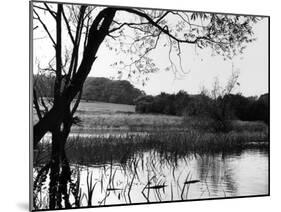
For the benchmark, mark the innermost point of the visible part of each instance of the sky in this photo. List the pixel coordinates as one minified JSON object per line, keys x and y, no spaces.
{"x":201,"y":67}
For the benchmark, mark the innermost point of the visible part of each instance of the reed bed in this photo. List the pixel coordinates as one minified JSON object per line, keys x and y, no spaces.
{"x":102,"y":149}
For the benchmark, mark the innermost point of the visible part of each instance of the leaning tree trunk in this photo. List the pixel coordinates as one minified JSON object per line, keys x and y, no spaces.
{"x":97,"y":33}
{"x":60,"y":170}
{"x":58,"y":120}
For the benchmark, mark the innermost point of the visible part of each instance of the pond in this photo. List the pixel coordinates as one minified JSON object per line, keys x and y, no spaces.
{"x":151,"y":176}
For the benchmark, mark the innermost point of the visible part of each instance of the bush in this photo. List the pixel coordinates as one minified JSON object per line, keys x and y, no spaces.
{"x":169,"y":104}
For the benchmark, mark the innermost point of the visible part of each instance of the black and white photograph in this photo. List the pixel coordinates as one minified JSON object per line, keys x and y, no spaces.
{"x":133,"y":105}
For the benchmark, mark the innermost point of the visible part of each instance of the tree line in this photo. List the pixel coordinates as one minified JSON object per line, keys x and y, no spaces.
{"x":94,"y":89}
{"x":113,"y":91}
{"x":230,"y":106}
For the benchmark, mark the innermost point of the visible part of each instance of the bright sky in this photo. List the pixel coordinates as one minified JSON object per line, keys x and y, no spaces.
{"x":200,"y":65}
{"x":202,"y":68}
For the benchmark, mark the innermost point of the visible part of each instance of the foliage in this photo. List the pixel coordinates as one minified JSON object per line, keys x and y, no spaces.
{"x":171,"y":104}
{"x":226,"y":35}
{"x":95,"y":89}
{"x":249,"y":108}
{"x":113,"y":91}
{"x":217,"y":107}
{"x":221,"y":109}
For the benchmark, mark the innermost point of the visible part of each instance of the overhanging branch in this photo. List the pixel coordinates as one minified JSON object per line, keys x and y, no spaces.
{"x":165,"y":30}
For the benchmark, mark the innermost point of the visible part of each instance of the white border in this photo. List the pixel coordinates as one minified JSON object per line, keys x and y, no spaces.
{"x":14,"y":87}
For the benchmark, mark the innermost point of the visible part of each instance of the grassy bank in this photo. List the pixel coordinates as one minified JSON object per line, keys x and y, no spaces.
{"x":130,"y":122}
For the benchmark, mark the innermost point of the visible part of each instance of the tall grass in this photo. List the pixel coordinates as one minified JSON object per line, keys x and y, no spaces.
{"x":100,"y":150}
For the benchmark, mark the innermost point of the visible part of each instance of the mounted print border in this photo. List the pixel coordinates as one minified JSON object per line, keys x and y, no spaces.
{"x":133,"y":105}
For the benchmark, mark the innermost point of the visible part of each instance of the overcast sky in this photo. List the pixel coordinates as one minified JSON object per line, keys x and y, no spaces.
{"x":200,"y":66}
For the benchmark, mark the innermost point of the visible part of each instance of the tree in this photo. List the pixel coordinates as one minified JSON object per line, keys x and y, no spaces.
{"x":137,"y":32}
{"x":219,"y":108}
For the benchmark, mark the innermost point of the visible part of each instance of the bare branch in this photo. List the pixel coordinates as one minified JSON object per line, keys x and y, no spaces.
{"x":74,"y":57}
{"x":126,"y":24}
{"x":87,"y":32}
{"x":173,"y":66}
{"x":136,"y":24}
{"x":45,"y":27}
{"x":41,"y":8}
{"x":68,"y":26}
{"x":163,"y":16}
{"x":180,"y":59}
{"x":89,"y":12}
{"x":50,"y":11}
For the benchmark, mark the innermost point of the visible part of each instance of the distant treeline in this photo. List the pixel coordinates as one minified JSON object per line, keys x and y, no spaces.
{"x":113,"y":91}
{"x":95,"y":89}
{"x":44,"y":85}
{"x":231,"y":106}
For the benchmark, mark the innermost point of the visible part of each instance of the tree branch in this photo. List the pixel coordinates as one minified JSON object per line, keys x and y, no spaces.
{"x":163,"y":29}
{"x":46,"y":9}
{"x":50,"y":11}
{"x":67,"y":26}
{"x":136,"y":24}
{"x":76,"y":43}
{"x":45,"y":27}
{"x":57,"y":87}
{"x":126,"y":24}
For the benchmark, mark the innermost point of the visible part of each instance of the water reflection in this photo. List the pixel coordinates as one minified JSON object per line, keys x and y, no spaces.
{"x":148,"y":176}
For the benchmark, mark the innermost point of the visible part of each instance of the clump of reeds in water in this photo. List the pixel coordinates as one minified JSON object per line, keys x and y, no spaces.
{"x":102,"y":149}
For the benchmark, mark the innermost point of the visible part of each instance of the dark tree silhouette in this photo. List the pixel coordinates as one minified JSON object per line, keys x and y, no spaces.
{"x":88,"y":28}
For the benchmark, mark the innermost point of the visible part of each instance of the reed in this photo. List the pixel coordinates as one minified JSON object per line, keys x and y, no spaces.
{"x":101,"y":150}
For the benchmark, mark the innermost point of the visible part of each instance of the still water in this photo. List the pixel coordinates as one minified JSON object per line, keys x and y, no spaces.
{"x":151,"y":177}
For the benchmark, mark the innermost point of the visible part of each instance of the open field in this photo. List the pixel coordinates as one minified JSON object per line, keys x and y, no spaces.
{"x":108,"y":116}
{"x":100,"y":116}
{"x":104,"y":107}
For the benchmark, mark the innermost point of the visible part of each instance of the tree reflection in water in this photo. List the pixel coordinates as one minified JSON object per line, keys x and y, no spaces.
{"x":144,"y":176}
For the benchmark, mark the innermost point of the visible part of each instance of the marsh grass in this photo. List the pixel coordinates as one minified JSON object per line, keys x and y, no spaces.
{"x":100,"y":150}
{"x":205,"y":124}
